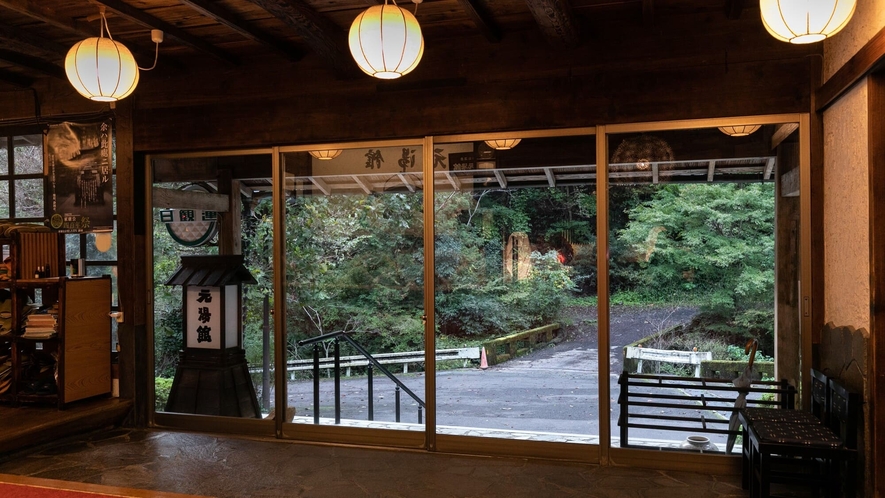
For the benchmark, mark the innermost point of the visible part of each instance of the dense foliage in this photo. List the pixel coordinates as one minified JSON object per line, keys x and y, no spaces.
{"x":355,"y":263}
{"x":712,"y":244}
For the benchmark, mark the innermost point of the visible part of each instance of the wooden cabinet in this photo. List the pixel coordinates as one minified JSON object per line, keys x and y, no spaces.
{"x":73,"y":364}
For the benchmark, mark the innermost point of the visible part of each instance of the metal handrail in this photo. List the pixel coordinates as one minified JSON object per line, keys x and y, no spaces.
{"x":374,"y":362}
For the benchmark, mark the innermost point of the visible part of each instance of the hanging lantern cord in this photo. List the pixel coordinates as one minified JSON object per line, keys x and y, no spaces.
{"x":156,"y":56}
{"x":106,"y":29}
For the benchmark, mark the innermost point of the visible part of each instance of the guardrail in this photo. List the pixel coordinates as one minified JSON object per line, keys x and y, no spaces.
{"x":504,"y":348}
{"x":665,"y":355}
{"x":336,"y":338}
{"x":402,"y":358}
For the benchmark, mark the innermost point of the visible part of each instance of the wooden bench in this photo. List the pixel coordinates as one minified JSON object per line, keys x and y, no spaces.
{"x":690,"y":404}
{"x":817,"y":448}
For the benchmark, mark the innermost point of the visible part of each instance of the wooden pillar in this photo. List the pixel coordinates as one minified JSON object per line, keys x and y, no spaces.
{"x":875,"y":439}
{"x":787,"y":339}
{"x":135,"y":358}
{"x":229,"y":223}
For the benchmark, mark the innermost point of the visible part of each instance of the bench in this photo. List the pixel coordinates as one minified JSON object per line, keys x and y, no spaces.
{"x":817,"y":448}
{"x":690,"y":404}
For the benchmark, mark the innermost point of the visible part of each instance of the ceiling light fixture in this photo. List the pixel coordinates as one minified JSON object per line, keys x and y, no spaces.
{"x":739,"y":130}
{"x":386,"y":41}
{"x":503,"y":143}
{"x":805,"y":21}
{"x":102,"y":69}
{"x":326,"y":155}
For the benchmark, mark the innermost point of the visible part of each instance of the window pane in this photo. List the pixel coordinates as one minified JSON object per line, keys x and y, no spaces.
{"x":354,"y":246}
{"x":189,"y":231}
{"x":101,"y":246}
{"x":691,"y":220}
{"x":516,"y":290}
{"x":4,"y":199}
{"x":29,"y":198}
{"x":28,"y":154}
{"x":4,"y":157}
{"x":72,"y":246}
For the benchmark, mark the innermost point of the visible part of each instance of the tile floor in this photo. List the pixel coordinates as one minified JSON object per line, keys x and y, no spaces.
{"x":231,"y":467}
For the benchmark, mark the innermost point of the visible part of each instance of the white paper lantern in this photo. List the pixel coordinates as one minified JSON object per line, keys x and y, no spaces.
{"x":101,"y":69}
{"x":326,"y":154}
{"x":805,"y":21}
{"x":386,"y":41}
{"x":503,"y":143}
{"x":739,"y":130}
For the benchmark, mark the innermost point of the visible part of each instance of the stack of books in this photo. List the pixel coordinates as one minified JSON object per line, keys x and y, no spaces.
{"x":40,"y":326}
{"x":5,"y":372}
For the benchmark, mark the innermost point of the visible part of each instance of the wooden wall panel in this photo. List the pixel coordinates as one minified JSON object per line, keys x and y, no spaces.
{"x":615,"y":97}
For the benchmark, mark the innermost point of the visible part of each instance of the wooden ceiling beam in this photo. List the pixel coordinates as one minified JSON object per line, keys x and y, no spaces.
{"x":481,"y":18}
{"x":25,"y":42}
{"x":15,"y":79}
{"x":317,"y":31}
{"x":145,"y":19}
{"x":557,"y":22}
{"x":33,"y":63}
{"x":39,"y":11}
{"x":232,"y":21}
{"x":782,"y":132}
{"x":44,"y":13}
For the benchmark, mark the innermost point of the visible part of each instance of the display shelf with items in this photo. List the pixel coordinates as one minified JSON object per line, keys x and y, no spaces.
{"x":55,"y":331}
{"x":60,"y":339}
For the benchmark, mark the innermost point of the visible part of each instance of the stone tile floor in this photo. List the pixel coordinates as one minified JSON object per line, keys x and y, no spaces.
{"x":232,"y":467}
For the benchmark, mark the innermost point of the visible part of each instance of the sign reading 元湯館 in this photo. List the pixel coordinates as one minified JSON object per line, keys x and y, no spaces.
{"x":203,"y":320}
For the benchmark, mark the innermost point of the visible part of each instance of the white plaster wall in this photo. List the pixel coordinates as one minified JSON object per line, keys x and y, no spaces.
{"x":868,"y":19}
{"x":846,"y":212}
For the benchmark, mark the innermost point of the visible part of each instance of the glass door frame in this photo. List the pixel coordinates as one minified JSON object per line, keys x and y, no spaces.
{"x":182,"y":421}
{"x":604,"y":453}
{"x":708,"y":462}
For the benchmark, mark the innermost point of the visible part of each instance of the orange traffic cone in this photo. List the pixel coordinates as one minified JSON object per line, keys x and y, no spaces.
{"x":483,"y":361}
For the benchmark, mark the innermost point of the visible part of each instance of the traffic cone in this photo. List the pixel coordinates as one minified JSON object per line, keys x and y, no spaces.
{"x":483,"y":361}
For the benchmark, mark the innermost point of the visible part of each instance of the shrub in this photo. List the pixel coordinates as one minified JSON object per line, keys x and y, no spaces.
{"x":162,"y":387}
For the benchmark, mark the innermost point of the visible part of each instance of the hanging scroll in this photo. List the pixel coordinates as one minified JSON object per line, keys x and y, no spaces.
{"x":79,"y":169}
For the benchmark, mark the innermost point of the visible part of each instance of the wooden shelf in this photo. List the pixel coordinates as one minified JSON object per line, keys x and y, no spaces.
{"x":81,"y":346}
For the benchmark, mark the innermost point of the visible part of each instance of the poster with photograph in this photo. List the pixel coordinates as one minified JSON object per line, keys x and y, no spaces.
{"x":79,"y":169}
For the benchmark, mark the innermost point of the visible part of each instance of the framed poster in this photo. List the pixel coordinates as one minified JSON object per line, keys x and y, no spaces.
{"x":78,"y":167}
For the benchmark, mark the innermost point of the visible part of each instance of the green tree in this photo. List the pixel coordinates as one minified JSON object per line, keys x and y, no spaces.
{"x":715,"y":241}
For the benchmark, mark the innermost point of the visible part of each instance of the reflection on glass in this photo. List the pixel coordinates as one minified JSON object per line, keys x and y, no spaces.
{"x":516,"y":290}
{"x":101,"y":246}
{"x":691,"y":220}
{"x":354,"y":248}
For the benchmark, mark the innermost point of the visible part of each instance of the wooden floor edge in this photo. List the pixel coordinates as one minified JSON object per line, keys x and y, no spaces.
{"x":90,"y":488}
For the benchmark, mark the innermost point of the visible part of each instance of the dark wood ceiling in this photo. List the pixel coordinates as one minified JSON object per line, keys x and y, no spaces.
{"x":36,"y":34}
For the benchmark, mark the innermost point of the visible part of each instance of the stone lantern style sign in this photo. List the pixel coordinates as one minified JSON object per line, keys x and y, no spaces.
{"x":212,"y":377}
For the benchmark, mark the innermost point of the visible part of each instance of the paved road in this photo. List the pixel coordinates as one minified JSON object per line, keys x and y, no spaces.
{"x":553,"y":390}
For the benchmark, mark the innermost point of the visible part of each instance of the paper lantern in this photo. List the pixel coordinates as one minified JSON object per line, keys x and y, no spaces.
{"x":101,"y":69}
{"x":386,"y":41}
{"x":805,"y":21}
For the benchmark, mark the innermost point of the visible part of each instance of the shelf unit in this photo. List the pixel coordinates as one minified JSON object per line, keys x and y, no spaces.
{"x":75,"y":363}
{"x":81,"y":347}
